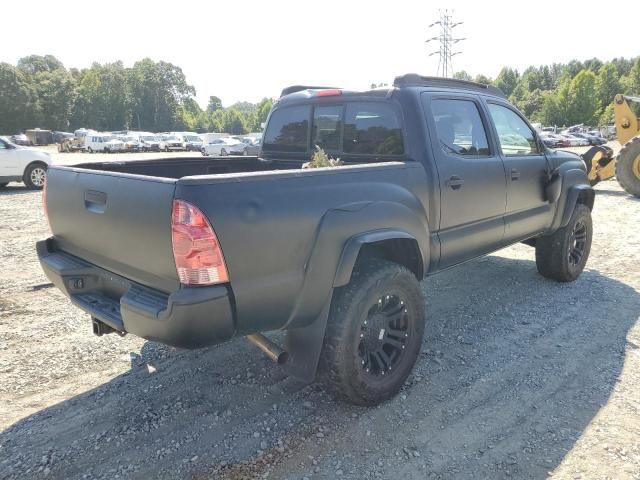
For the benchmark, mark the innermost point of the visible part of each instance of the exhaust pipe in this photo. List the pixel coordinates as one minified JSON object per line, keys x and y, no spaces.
{"x":273,"y":351}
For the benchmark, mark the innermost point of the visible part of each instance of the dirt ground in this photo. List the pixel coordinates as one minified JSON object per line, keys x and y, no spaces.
{"x":520,"y":377}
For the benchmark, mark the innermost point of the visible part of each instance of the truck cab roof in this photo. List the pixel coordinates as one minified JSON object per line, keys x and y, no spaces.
{"x":411,"y":80}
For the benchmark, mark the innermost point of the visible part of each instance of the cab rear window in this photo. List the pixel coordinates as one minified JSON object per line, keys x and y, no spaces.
{"x":288,"y":130}
{"x":372,"y":128}
{"x":353,"y":128}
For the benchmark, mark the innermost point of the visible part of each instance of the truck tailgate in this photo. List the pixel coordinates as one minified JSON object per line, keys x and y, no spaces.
{"x":119,"y":222}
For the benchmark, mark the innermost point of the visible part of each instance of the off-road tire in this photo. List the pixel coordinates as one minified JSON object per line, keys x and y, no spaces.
{"x":342,"y":365}
{"x":32,"y":178}
{"x":563,"y":255}
{"x":628,"y":167}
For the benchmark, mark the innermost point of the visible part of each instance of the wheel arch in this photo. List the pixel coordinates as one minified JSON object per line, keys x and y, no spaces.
{"x":394,"y":245}
{"x":33,"y":163}
{"x":575,"y":189}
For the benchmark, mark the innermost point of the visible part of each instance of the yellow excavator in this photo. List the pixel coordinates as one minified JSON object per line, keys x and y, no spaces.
{"x":626,"y":166}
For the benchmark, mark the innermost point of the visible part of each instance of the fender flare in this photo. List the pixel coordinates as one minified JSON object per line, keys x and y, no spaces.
{"x":574,"y":186}
{"x":353,"y":246}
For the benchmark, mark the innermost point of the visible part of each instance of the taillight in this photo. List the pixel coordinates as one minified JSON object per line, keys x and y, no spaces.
{"x":331,"y":92}
{"x":197,"y":253}
{"x":44,"y":204}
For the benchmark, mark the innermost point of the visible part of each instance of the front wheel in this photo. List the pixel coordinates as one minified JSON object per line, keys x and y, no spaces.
{"x":374,"y":333}
{"x":563,"y":255}
{"x":223,"y":153}
{"x":35,"y":176}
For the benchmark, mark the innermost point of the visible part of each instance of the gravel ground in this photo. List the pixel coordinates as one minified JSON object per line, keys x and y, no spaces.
{"x":520,"y":377}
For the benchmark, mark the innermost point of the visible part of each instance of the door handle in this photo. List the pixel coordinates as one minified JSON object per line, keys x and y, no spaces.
{"x":515,"y":174}
{"x":455,"y":182}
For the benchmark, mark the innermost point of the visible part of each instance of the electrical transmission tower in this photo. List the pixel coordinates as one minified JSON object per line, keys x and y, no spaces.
{"x":447,"y":42}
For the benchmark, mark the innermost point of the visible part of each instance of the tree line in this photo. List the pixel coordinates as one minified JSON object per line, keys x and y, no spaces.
{"x":150,"y":96}
{"x":568,"y":94}
{"x":40,"y":92}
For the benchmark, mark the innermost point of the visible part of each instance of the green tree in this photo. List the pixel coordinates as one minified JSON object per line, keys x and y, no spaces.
{"x":262,"y":111}
{"x":17,"y":100}
{"x":507,"y":80}
{"x":583,"y":101}
{"x":214,"y":104}
{"x":608,"y":84}
{"x":37,"y":63}
{"x":462,"y":75}
{"x":632,"y":81}
{"x":483,"y":79}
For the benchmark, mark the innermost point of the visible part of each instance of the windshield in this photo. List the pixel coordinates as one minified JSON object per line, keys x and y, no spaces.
{"x":149,"y":138}
{"x":193,"y":139}
{"x":172,"y":139}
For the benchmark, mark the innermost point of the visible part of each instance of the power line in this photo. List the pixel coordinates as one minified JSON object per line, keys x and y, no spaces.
{"x":447,"y":42}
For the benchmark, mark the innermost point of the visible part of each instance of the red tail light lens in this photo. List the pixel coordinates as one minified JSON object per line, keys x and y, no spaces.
{"x":44,"y":204}
{"x":197,"y":253}
{"x":332,"y":92}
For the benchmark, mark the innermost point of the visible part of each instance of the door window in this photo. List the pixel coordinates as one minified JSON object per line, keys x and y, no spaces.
{"x":459,"y":127}
{"x":514,"y":135}
{"x":288,"y":130}
{"x":327,"y":127}
{"x":373,"y":129}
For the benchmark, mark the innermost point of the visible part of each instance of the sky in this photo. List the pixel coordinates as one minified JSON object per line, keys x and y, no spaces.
{"x":243,"y":50}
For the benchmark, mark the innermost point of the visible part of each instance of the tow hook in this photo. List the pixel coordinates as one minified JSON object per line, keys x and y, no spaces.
{"x":273,"y":351}
{"x":100,"y":328}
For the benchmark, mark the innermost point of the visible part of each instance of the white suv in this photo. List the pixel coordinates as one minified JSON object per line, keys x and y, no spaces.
{"x":22,"y":164}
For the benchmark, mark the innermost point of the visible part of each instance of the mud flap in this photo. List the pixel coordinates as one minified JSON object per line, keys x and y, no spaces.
{"x":304,"y":346}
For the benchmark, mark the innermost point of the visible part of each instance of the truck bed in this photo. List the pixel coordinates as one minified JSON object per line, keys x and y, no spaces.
{"x":281,"y":228}
{"x":193,"y":166}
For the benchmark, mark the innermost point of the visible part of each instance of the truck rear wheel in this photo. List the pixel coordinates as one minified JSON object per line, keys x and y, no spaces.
{"x":374,"y":333}
{"x":628,"y":167}
{"x":562,"y":255}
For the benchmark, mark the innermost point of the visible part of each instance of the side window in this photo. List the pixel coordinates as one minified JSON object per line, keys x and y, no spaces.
{"x":515,"y":136}
{"x":372,"y":128}
{"x":327,"y":127}
{"x":287,"y":130}
{"x":459,"y":127}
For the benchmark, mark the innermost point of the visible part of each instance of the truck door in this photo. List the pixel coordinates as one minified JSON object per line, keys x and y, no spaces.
{"x":528,"y":212}
{"x":471,"y":174}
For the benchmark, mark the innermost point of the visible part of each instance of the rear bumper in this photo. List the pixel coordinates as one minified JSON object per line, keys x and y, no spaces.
{"x":190,"y":317}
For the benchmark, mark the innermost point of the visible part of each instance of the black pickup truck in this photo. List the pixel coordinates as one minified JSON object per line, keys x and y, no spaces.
{"x":192,"y":252}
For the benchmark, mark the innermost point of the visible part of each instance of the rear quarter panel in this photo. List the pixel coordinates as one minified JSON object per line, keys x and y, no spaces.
{"x":282,"y":233}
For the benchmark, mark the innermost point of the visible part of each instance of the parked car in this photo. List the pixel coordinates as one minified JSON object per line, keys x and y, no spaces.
{"x":131,"y":143}
{"x":171,"y":143}
{"x":149,"y":143}
{"x":592,"y":139}
{"x":103,"y":143}
{"x":223,"y":146}
{"x":193,"y":143}
{"x":333,"y":256}
{"x":21,"y":139}
{"x":574,"y":141}
{"x":549,"y":140}
{"x":22,"y":164}
{"x":252,"y":146}
{"x":558,"y":140}
{"x":59,"y":137}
